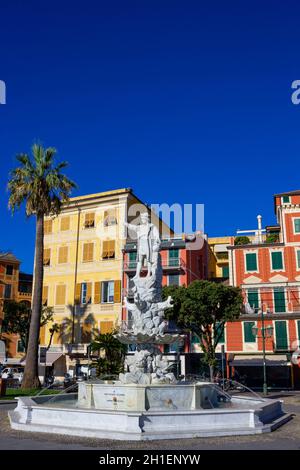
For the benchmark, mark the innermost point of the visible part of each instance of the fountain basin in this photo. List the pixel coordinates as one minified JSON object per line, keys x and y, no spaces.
{"x":147,"y":412}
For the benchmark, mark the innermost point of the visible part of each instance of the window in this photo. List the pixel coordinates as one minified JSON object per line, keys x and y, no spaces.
{"x":88,"y":252}
{"x":225,"y":271}
{"x":47,"y":226}
{"x":173,"y":257}
{"x":45,"y":296}
{"x":86,"y":293}
{"x":65,"y":224}
{"x":109,"y":218}
{"x":60,"y":295}
{"x":20,"y":347}
{"x":249,"y":337}
{"x":251,"y":262}
{"x":217,"y":333}
{"x":298,"y":328}
{"x":298,"y":258}
{"x":108,"y":288}
{"x":89,"y":221}
{"x":47,"y":256}
{"x":9,"y":270}
{"x":285,"y":199}
{"x":7,"y":291}
{"x":108,"y":249}
{"x":174,"y":280}
{"x":279,"y":299}
{"x":132,"y":259}
{"x":277,"y":261}
{"x":281,"y":335}
{"x":253,"y":299}
{"x":297,"y":225}
{"x":63,"y":255}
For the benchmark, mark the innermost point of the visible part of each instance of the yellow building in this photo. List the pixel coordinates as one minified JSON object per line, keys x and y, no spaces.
{"x":83,"y":268}
{"x":218,"y":260}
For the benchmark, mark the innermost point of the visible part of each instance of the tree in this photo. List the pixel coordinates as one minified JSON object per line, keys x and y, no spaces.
{"x":40,"y":185}
{"x":204,"y":307}
{"x":55,"y":328}
{"x":242,"y":240}
{"x":111,"y":354}
{"x":17,"y":316}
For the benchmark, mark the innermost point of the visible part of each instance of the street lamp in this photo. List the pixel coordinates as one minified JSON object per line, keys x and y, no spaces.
{"x":263,"y":332}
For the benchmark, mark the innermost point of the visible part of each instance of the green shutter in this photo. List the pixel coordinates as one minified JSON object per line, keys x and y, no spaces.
{"x":297,"y":225}
{"x":225,"y":271}
{"x":279,"y":300}
{"x":298,"y":259}
{"x":173,"y":257}
{"x":277,"y":262}
{"x":249,"y":337}
{"x":298,"y":326}
{"x":253,"y":299}
{"x":251,"y":262}
{"x":285,"y":199}
{"x":132,"y":259}
{"x":222,"y":337}
{"x":281,"y":335}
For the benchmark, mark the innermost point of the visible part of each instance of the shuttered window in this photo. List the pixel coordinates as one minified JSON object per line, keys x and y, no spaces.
{"x":108,"y":249}
{"x":277,"y":261}
{"x":174,"y":257}
{"x":297,"y":225}
{"x":47,"y":256}
{"x":97,"y":292}
{"x":218,"y":328}
{"x":42,"y":335}
{"x":132,"y":259}
{"x":279,"y":300}
{"x":298,"y":328}
{"x":65,"y":224}
{"x":60,"y":295}
{"x":45,"y":295}
{"x":285,"y":199}
{"x":47,"y":226}
{"x":63,"y":254}
{"x":86,"y":292}
{"x":225,"y":271}
{"x":298,"y":259}
{"x":110,"y":218}
{"x":117,"y":291}
{"x":88,"y":252}
{"x":89,"y":220}
{"x":281,"y":335}
{"x":253,"y":299}
{"x":108,"y":288}
{"x":251,"y":262}
{"x":106,"y":327}
{"x":249,"y":337}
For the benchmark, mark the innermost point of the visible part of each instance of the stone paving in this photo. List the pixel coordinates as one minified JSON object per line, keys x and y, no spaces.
{"x":286,"y":437}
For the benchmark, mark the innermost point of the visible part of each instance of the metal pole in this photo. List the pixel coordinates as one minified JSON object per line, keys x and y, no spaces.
{"x":223,"y":351}
{"x":265,"y":386}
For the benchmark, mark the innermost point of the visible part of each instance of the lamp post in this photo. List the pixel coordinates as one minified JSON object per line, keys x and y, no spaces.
{"x":263,"y":332}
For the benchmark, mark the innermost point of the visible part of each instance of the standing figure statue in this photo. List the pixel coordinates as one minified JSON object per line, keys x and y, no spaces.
{"x":148,"y":243}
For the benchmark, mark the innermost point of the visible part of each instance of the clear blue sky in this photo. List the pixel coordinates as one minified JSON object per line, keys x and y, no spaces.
{"x":184,"y":101}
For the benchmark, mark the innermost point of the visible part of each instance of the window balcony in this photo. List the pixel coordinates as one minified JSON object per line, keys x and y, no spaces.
{"x":172,"y":264}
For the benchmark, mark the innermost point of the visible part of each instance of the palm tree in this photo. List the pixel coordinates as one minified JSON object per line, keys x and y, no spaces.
{"x":111,"y":353}
{"x":38,"y":183}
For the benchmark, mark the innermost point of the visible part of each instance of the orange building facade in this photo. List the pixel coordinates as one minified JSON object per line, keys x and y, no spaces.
{"x":268,"y":272}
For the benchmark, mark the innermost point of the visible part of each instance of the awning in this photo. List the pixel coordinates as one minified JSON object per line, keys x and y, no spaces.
{"x":52,"y":357}
{"x":257,"y":360}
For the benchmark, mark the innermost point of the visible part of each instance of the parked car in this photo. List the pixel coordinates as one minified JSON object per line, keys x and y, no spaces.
{"x":13,"y":373}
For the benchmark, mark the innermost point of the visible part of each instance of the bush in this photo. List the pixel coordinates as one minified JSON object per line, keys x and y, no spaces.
{"x":242,"y":241}
{"x":272,"y":238}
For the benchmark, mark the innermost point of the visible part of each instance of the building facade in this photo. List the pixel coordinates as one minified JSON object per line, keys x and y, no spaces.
{"x":83,"y":266}
{"x":268,"y":272}
{"x":15,"y":286}
{"x":218,"y":258}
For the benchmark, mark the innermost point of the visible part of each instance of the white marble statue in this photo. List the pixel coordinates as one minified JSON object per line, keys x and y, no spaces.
{"x":148,"y":243}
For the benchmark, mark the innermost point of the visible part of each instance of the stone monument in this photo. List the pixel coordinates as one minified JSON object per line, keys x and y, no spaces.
{"x":147,"y":325}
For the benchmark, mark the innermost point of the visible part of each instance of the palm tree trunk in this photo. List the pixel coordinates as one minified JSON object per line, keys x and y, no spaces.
{"x":31,"y":373}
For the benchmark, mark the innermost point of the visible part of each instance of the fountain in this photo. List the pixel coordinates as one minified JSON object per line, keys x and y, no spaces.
{"x":147,"y":401}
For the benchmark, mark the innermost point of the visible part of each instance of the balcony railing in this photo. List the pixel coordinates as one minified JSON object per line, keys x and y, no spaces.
{"x":171,"y":264}
{"x":75,"y":349}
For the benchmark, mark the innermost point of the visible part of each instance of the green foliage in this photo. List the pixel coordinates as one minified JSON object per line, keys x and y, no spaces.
{"x":242,"y":240}
{"x":272,"y":238}
{"x":204,"y":307}
{"x":39,"y":183}
{"x":17,"y":316}
{"x":111,"y":354}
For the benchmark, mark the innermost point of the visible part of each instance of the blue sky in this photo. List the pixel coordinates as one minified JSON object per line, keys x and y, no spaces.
{"x":184,"y":101}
